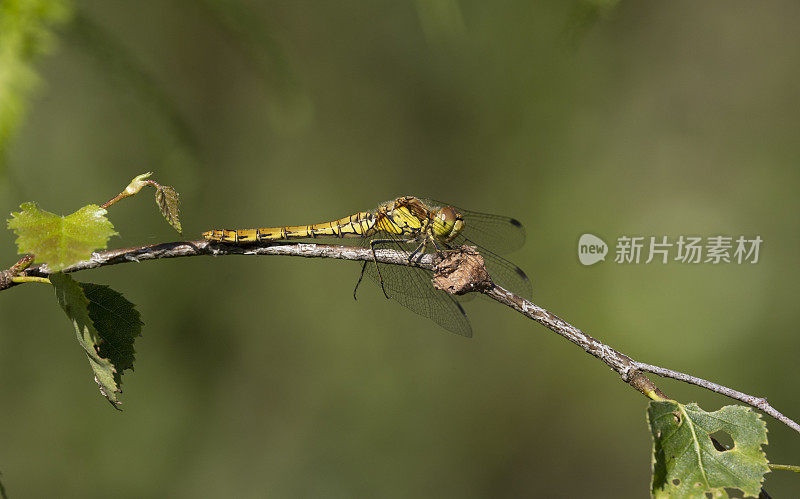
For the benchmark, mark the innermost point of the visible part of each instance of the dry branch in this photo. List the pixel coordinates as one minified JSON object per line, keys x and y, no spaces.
{"x":631,"y":371}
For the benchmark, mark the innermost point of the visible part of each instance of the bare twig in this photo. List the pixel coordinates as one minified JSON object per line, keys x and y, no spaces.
{"x":621,"y":363}
{"x":630,"y":370}
{"x":203,"y":247}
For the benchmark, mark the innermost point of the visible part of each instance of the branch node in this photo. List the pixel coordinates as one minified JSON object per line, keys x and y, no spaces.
{"x":462,"y":271}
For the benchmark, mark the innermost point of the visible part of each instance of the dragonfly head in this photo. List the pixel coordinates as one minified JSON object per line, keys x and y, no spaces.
{"x":448,"y":223}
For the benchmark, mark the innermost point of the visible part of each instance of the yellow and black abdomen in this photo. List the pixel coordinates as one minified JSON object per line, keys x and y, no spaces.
{"x":357,"y":225}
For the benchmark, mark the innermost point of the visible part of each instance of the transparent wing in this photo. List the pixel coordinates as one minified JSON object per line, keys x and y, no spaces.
{"x":412,"y":288}
{"x":504,"y":273}
{"x":497,"y":233}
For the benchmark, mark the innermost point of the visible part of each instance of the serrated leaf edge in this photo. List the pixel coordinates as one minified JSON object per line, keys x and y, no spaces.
{"x":89,"y":326}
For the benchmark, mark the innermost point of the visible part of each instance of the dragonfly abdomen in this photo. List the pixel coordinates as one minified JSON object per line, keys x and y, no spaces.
{"x":356,"y":225}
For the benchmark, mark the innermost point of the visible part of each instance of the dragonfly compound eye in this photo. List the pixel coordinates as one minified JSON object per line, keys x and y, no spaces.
{"x":449,"y":223}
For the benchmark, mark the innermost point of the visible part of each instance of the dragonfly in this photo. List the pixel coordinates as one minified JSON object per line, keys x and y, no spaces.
{"x":414,"y":226}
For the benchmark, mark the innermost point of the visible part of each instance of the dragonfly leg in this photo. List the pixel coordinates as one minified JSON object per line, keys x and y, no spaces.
{"x":441,"y":248}
{"x":360,"y":276}
{"x":420,"y":248}
{"x":372,"y":244}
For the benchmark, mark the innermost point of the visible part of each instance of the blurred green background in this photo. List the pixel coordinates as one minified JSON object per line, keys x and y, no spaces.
{"x":262,"y":377}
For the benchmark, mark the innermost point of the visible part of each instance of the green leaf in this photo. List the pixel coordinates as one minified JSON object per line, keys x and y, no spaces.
{"x":106,"y":325}
{"x":117,"y":322}
{"x":167,"y":200}
{"x":685,"y":461}
{"x":60,"y":241}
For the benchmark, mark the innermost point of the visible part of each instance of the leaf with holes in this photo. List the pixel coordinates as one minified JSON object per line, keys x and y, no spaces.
{"x":106,"y":325}
{"x":167,"y":200}
{"x":685,"y":460}
{"x":60,"y":241}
